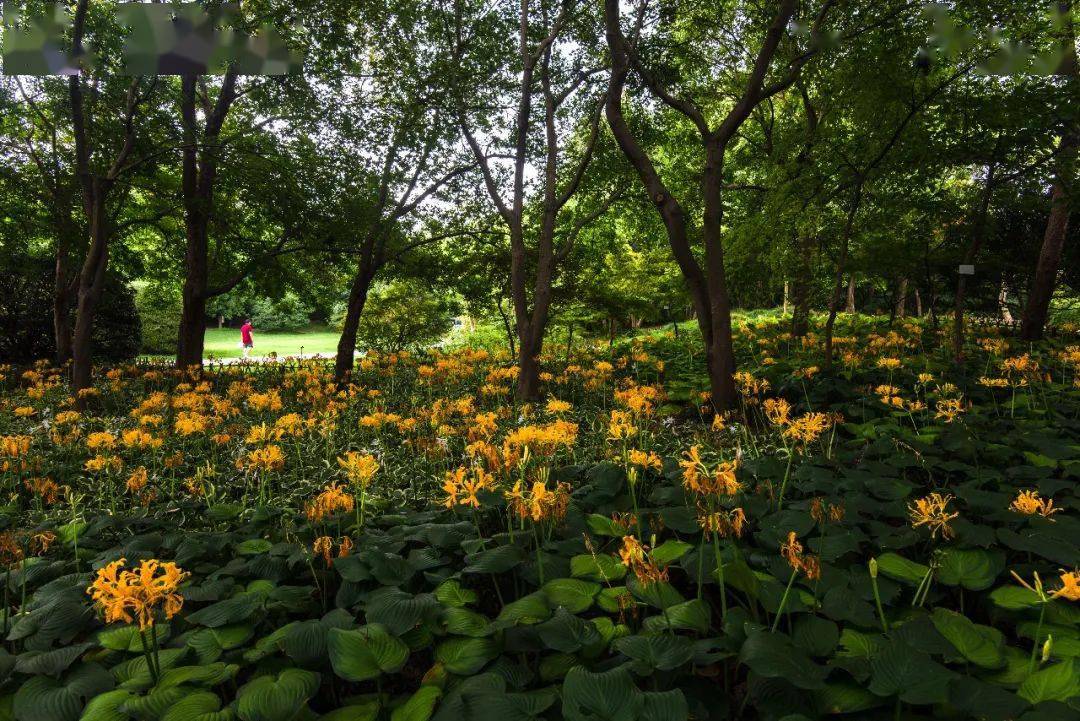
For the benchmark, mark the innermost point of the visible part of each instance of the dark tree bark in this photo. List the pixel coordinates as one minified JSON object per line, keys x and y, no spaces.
{"x":850,"y":307}
{"x":531,"y":314}
{"x":900,"y":307}
{"x":1044,"y":278}
{"x":96,"y":191}
{"x":841,"y":263}
{"x":707,"y":285}
{"x":978,"y":235}
{"x":201,"y":156}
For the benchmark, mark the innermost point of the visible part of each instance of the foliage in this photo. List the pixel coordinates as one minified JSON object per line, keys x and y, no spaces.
{"x":159,"y":305}
{"x":26,"y":304}
{"x":405,"y":314}
{"x":395,"y":552}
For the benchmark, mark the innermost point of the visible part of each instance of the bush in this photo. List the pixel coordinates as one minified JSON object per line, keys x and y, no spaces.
{"x":287,"y":313}
{"x":160,"y":306}
{"x":26,"y":322}
{"x":404,"y":314}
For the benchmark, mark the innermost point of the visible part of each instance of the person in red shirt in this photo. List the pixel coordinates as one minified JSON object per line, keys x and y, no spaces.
{"x":245,"y":337}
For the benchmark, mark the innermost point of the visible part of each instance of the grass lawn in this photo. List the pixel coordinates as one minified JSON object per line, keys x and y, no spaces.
{"x":225,"y":342}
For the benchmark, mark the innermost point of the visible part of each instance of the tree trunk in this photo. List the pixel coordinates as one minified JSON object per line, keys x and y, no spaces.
{"x":850,"y":307}
{"x":199,"y":173}
{"x":800,"y":317}
{"x":91,"y":285}
{"x":787,"y":296}
{"x":978,"y":235}
{"x":918,"y":304}
{"x":346,"y":348}
{"x":1046,"y":270}
{"x":62,"y":308}
{"x":1057,"y":225}
{"x":900,"y":308}
{"x":838,"y":285}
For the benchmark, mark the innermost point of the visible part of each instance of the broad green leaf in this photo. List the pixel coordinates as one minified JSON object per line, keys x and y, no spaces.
{"x":608,"y":696}
{"x":420,"y":705}
{"x":365,"y":653}
{"x":276,"y":698}
{"x":572,"y":594}
{"x":981,"y":645}
{"x":1059,"y":682}
{"x":465,"y":656}
{"x":899,"y":568}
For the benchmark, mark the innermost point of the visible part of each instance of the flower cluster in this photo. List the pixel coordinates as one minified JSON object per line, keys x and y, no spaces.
{"x":130,"y":596}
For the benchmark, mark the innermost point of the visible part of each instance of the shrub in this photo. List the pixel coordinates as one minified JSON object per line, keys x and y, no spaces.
{"x":160,"y":306}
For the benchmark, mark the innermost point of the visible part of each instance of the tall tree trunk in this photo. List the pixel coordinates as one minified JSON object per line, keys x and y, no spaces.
{"x":800,"y":317}
{"x":838,"y":285}
{"x":787,"y":296}
{"x":1045,"y":277}
{"x":977,"y":237}
{"x":199,"y":173}
{"x":358,"y":293}
{"x":720,"y":354}
{"x":900,"y":308}
{"x":91,"y":285}
{"x":850,"y":307}
{"x":62,"y":292}
{"x":918,"y":304}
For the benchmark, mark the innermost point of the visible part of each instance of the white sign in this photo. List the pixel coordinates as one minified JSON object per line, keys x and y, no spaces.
{"x":967,"y":270}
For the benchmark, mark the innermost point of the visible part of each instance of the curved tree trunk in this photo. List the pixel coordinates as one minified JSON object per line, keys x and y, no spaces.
{"x":91,"y":285}
{"x":354,"y":309}
{"x":1045,"y":278}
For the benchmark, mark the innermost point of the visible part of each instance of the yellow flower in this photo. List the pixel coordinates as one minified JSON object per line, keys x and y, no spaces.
{"x":792,"y":551}
{"x":267,"y":458}
{"x":359,"y":468}
{"x":645,"y":459}
{"x":137,"y":480}
{"x":949,"y":409}
{"x":103,"y":463}
{"x":808,"y":427}
{"x":932,"y":511}
{"x":24,"y":411}
{"x":134,"y":595}
{"x":634,"y":555}
{"x":1070,"y":586}
{"x":100,"y":440}
{"x":888,"y":363}
{"x":777,"y":411}
{"x":1028,"y":502}
{"x":137,"y":438}
{"x":332,"y":499}
{"x":554,"y":405}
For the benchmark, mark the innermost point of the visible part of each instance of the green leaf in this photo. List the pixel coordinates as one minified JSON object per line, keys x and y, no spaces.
{"x":981,"y":645}
{"x":364,"y":711}
{"x":464,"y":622}
{"x":1014,"y":598}
{"x":42,"y":698}
{"x":844,"y":697}
{"x":899,"y":568}
{"x":900,"y":670}
{"x":450,"y":593}
{"x":567,"y":633}
{"x":572,"y":594}
{"x":494,"y":560}
{"x":974,"y":569}
{"x":209,"y":675}
{"x":607,"y":696}
{"x":527,"y":610}
{"x":465,"y":656}
{"x":1059,"y":682}
{"x":49,"y":662}
{"x":601,"y":525}
{"x":692,"y":615}
{"x":193,"y":706}
{"x":664,"y":706}
{"x":670,"y":551}
{"x":651,"y":653}
{"x":253,"y":547}
{"x":105,"y":707}
{"x":772,"y":655}
{"x":365,"y":653}
{"x":601,"y":567}
{"x":419,"y":707}
{"x":276,"y":698}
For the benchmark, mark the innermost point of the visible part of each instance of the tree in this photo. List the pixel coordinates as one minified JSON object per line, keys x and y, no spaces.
{"x":549,"y":54}
{"x":707,"y":284}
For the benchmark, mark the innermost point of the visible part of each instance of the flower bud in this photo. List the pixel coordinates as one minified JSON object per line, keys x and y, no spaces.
{"x":1047,"y":645}
{"x":873,"y":567}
